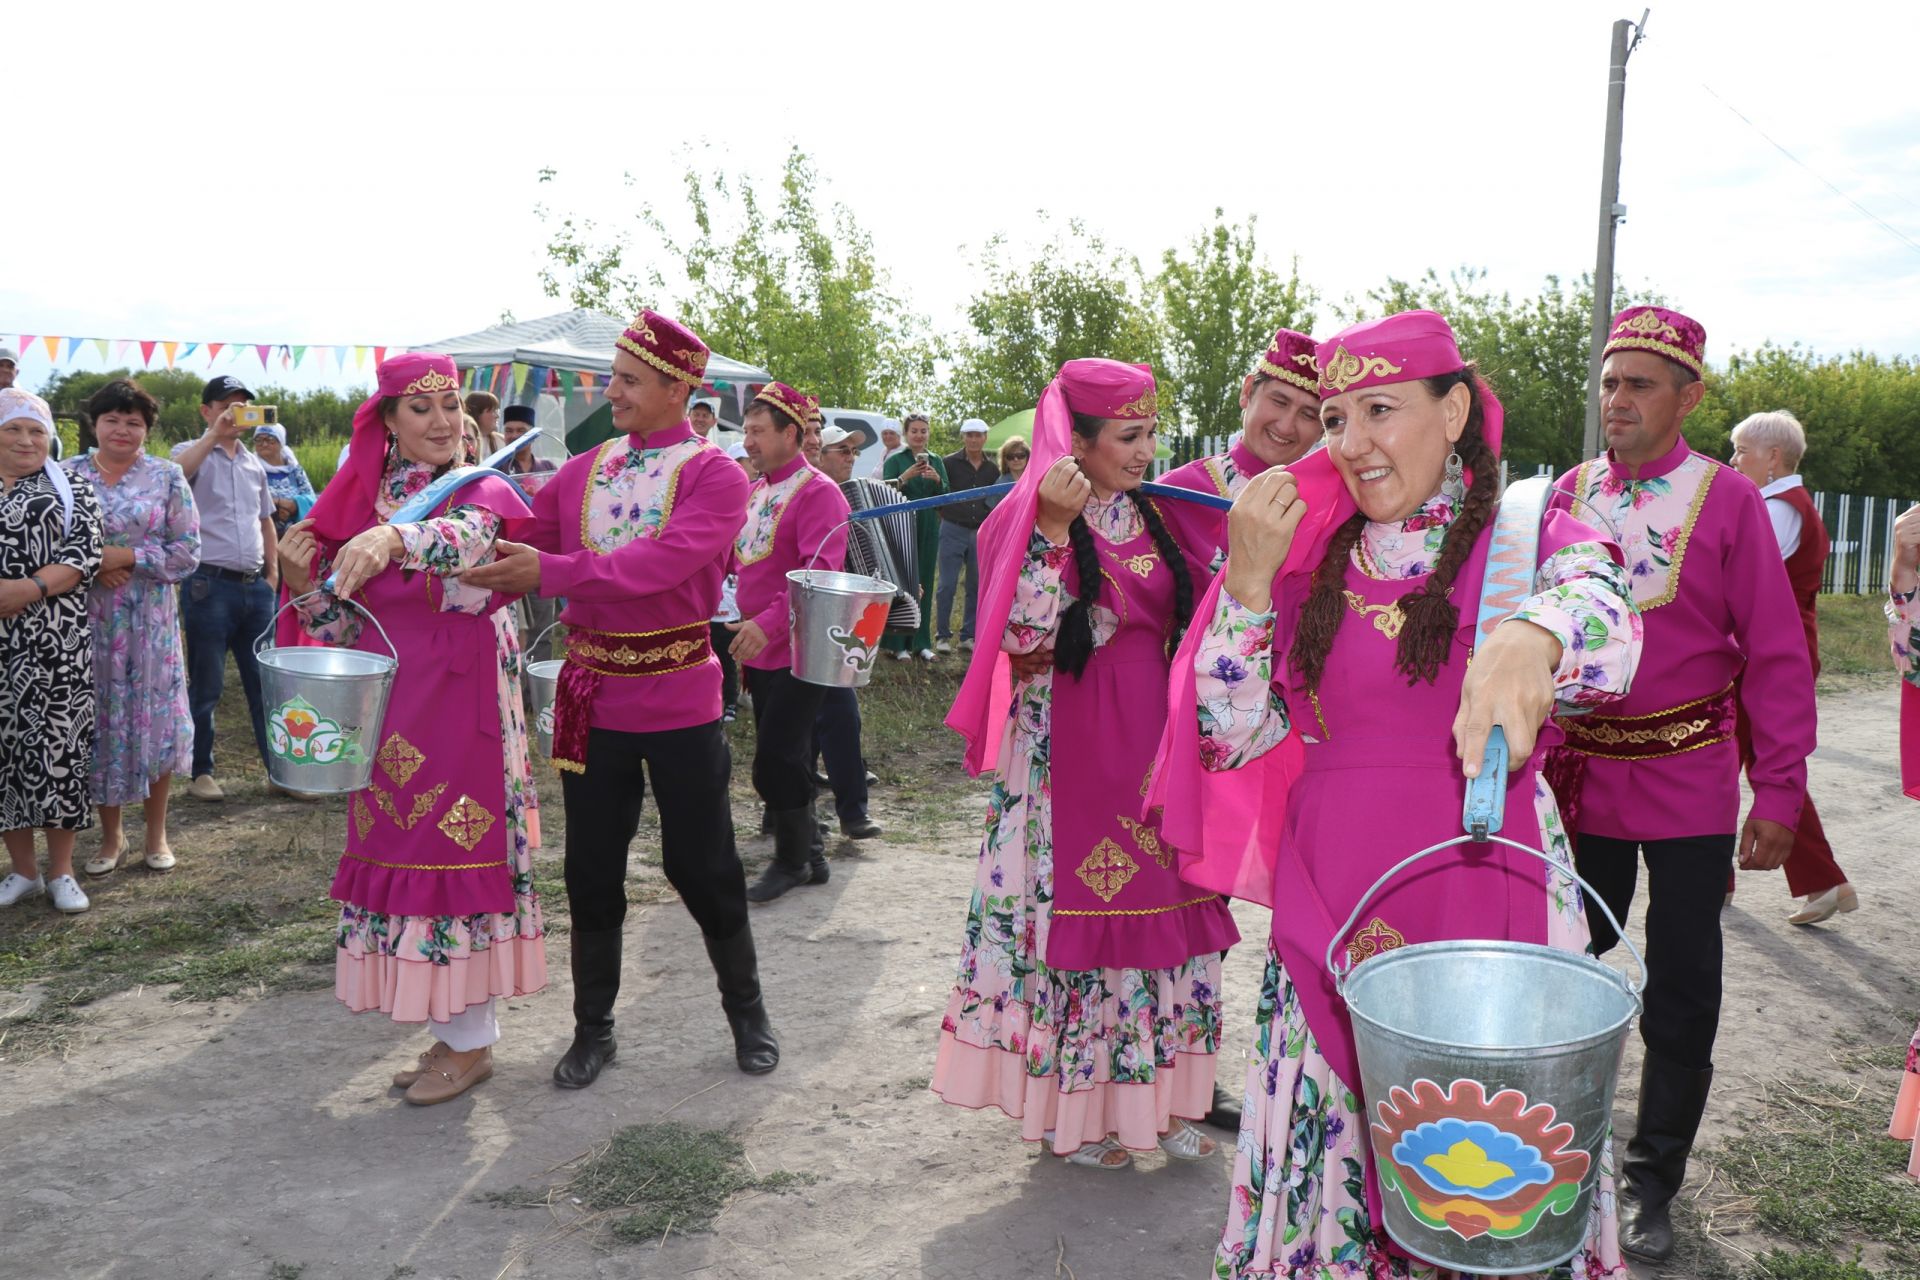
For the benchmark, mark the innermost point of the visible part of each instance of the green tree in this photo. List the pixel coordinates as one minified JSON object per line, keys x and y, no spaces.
{"x":1218,"y":305}
{"x":786,"y":282}
{"x":1075,"y":298}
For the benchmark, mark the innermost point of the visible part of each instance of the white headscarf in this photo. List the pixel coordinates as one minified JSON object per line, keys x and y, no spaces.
{"x":18,"y":403}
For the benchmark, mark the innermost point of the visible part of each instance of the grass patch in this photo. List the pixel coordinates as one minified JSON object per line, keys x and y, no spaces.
{"x":1853,"y":636}
{"x":654,"y":1180}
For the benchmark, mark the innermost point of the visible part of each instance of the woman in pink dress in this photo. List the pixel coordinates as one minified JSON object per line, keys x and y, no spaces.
{"x":1347,"y":672}
{"x":439,"y":915}
{"x":1087,"y":1002}
{"x":1903,"y":620}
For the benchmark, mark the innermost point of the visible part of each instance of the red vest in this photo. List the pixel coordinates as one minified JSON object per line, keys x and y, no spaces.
{"x":1805,"y":564}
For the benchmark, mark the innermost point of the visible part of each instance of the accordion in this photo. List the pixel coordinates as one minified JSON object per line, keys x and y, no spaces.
{"x":885,"y":547}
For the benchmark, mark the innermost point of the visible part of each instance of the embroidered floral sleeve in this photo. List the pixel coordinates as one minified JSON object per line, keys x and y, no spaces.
{"x":1586,"y":601}
{"x":1038,"y":596}
{"x":460,"y":539}
{"x":1903,"y":630}
{"x":321,"y":615}
{"x":173,"y":552}
{"x":1241,"y":716}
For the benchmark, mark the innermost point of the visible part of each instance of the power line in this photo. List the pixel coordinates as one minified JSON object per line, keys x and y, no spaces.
{"x":1882,"y":223}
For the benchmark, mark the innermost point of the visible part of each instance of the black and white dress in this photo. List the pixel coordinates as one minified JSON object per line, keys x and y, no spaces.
{"x":46,"y":689}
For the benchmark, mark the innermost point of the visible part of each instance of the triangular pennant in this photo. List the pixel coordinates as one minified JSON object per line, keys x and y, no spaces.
{"x":27,"y":340}
{"x":379,"y":356}
{"x":359,"y":357}
{"x":286,"y":356}
{"x":190,"y":348}
{"x":213,"y":352}
{"x":566,"y":384}
{"x":146,"y":353}
{"x":120,"y":350}
{"x":101,"y":345}
{"x":299,"y":354}
{"x":519,"y":378}
{"x":320,"y":354}
{"x":262,"y":351}
{"x":53,"y":348}
{"x":169,"y":348}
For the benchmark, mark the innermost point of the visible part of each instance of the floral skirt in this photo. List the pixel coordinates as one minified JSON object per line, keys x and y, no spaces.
{"x":1906,"y":1107}
{"x":1298,"y":1206}
{"x":1080,"y":1055}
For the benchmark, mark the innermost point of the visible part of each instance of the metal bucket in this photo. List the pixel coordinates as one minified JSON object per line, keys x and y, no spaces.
{"x":543,"y":679}
{"x":324,"y":708}
{"x":834,"y":622}
{"x":1488,"y":1070}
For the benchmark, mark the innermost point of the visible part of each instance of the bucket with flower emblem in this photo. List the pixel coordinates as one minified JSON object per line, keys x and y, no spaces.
{"x":1488,"y":1071}
{"x":834,"y":625}
{"x":324,"y":708}
{"x":543,"y":683}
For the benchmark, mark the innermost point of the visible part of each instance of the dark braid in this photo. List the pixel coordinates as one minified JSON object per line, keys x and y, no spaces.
{"x":1426,"y":639}
{"x":1073,"y":646}
{"x":1170,"y":552}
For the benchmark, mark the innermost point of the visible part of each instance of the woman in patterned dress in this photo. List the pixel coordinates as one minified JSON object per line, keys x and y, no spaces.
{"x":49,"y":550}
{"x":439,"y":914}
{"x":1361,"y":658}
{"x":1903,"y":622}
{"x":143,"y":732}
{"x":1087,"y":1002}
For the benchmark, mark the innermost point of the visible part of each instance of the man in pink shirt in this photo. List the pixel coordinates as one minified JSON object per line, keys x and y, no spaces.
{"x":635,"y":535}
{"x":796,"y":517}
{"x":1657,"y":776}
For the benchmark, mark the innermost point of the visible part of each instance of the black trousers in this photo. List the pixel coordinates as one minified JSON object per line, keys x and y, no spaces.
{"x":689,"y":769}
{"x":836,"y":734}
{"x":1686,"y":886}
{"x":729,"y":672}
{"x":784,"y":709}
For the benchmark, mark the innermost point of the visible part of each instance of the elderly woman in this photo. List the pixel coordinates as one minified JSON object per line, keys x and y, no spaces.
{"x":49,"y":547}
{"x":292,"y":492}
{"x":143,"y":731}
{"x":1767,"y":449}
{"x":1339,"y":672}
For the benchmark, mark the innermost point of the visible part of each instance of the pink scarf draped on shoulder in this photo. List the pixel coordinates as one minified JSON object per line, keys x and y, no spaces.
{"x":1910,"y":740}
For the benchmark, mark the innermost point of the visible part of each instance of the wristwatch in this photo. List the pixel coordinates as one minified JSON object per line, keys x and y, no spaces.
{"x":40,"y":583}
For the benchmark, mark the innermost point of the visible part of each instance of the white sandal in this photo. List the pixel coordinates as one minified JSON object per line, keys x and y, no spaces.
{"x":1184,"y":1142}
{"x":1096,"y":1155}
{"x":161,"y":860}
{"x":100,"y":864}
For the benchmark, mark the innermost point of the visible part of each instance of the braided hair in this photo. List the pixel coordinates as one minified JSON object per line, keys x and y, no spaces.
{"x":1426,"y":639}
{"x":1073,"y":645}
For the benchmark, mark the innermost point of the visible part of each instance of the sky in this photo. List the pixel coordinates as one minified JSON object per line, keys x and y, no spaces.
{"x":362,"y":174}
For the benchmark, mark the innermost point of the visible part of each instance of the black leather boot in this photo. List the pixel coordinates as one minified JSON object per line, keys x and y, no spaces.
{"x":793,"y":837}
{"x":817,"y":871}
{"x":755,"y":1048}
{"x":596,"y":985}
{"x":1672,"y":1101}
{"x":1225,"y":1113}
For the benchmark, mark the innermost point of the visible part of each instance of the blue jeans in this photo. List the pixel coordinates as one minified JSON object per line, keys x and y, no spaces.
{"x":220,"y":616}
{"x":956,"y":553}
{"x":836,"y":735}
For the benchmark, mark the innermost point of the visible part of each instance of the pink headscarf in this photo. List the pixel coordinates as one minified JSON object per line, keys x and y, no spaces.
{"x":346,"y":506}
{"x":1105,"y":389}
{"x":1227,"y":825}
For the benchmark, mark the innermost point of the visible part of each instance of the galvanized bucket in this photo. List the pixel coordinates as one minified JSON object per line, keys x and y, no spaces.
{"x":324,"y":708}
{"x":543,"y":682}
{"x":1488,"y":1070}
{"x":834,"y":621}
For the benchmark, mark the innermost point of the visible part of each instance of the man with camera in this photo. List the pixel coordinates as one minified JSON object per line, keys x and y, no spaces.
{"x":229,"y":599}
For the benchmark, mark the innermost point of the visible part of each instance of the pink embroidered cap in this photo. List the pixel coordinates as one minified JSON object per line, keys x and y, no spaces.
{"x":1291,"y":357}
{"x":1679,"y":338}
{"x":667,"y":345}
{"x":797,"y":406}
{"x":1402,"y":347}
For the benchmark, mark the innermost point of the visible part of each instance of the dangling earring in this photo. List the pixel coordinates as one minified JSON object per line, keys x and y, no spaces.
{"x":1454,"y":486}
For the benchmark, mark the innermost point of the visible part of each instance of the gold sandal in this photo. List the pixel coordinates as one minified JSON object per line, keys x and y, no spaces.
{"x":437,"y":1084}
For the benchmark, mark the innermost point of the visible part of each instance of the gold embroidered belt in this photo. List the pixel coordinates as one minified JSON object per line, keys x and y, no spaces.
{"x":593,"y":655}
{"x":1704,"y":722}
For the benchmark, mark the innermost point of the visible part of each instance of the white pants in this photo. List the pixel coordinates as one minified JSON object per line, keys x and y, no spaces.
{"x":474,"y":1027}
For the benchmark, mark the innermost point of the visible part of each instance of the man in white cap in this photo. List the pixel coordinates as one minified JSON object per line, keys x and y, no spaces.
{"x":9,"y":368}
{"x":702,"y":414}
{"x":970,"y":468}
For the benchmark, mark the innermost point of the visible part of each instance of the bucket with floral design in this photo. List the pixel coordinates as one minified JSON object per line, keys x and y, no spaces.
{"x":324,"y":708}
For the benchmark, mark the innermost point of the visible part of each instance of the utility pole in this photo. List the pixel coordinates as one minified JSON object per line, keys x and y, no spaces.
{"x":1626,"y":35}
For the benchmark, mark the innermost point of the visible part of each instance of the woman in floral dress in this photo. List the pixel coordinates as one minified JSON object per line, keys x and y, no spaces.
{"x":1903,"y":621}
{"x":1087,"y":1002}
{"x":143,"y":734}
{"x":1373,"y":633}
{"x":439,"y":914}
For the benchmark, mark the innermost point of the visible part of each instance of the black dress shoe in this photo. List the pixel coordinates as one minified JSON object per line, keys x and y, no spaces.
{"x":821,"y":780}
{"x":1225,"y":1112}
{"x":860,"y":829}
{"x":797,"y":856}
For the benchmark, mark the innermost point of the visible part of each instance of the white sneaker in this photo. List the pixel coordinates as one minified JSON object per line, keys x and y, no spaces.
{"x":17,"y":888}
{"x":943,"y":647}
{"x":926,"y":655}
{"x":905,"y":655}
{"x":966,"y":646}
{"x":67,"y":895}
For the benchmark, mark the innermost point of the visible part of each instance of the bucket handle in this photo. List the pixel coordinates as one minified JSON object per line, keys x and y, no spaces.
{"x":260,"y":640}
{"x":1335,"y":950}
{"x":544,"y":633}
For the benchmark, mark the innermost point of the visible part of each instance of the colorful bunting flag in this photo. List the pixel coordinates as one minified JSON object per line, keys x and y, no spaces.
{"x":146,"y":353}
{"x":213,"y":352}
{"x":53,"y":348}
{"x":519,"y":379}
{"x":101,"y":344}
{"x":169,"y":348}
